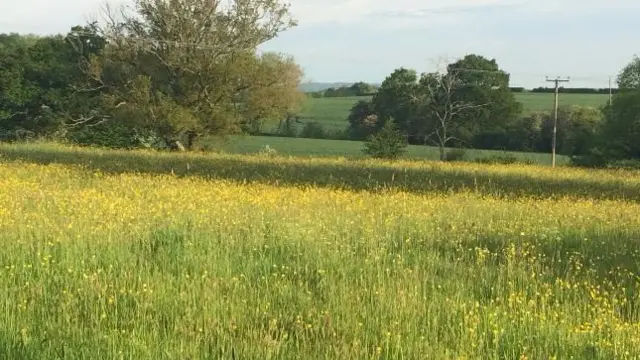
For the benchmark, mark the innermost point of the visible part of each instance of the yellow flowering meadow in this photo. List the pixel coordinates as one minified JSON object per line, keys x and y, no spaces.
{"x":136,"y":255}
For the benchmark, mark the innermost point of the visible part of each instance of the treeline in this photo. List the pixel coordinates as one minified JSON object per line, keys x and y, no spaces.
{"x":364,"y":89}
{"x":357,"y":89}
{"x":161,"y":77}
{"x":174,"y":72}
{"x":462,"y":107}
{"x":565,"y":90}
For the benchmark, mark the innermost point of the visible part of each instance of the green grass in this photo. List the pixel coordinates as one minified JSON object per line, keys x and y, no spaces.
{"x":333,"y":112}
{"x":544,"y":102}
{"x":352,"y":149}
{"x":143,"y":255}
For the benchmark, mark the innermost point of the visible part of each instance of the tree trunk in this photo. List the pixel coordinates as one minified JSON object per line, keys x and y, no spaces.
{"x":191,"y":139}
{"x":174,"y":145}
{"x":443,"y":155}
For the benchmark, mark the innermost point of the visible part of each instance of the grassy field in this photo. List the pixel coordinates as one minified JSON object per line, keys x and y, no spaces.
{"x":301,"y":147}
{"x":139,"y":255}
{"x":332,"y":112}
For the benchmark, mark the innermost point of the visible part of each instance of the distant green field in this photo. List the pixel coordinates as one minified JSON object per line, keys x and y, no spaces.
{"x":300,"y":147}
{"x":333,"y":112}
{"x":543,"y":102}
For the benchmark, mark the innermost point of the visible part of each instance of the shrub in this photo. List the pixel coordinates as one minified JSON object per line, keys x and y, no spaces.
{"x":595,"y":158}
{"x":106,"y":135}
{"x":388,"y":143}
{"x":363,"y":122}
{"x":313,"y":130}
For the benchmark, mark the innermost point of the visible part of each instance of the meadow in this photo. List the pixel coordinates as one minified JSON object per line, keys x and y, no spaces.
{"x":303,"y":147}
{"x":143,"y":255}
{"x":332,"y":112}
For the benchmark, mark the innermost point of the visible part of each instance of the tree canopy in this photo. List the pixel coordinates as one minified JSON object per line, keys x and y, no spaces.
{"x":174,"y":69}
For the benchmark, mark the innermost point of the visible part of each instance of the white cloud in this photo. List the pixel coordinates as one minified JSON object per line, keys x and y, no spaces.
{"x":57,"y":16}
{"x":45,"y":16}
{"x":412,"y":12}
{"x":350,"y":11}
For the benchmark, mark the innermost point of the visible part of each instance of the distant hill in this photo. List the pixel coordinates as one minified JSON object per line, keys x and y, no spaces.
{"x":320,"y":86}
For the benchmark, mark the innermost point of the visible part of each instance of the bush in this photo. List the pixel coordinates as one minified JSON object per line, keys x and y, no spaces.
{"x":313,"y":130}
{"x":595,"y":158}
{"x":106,"y":135}
{"x":388,"y":143}
{"x":363,"y":122}
{"x":455,"y":155}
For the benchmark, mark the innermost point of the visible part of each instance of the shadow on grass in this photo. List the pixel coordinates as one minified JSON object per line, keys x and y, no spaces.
{"x":346,"y":175}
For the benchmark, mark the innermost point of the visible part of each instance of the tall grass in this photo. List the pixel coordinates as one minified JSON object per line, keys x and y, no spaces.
{"x":306,"y":147}
{"x":117,"y":255}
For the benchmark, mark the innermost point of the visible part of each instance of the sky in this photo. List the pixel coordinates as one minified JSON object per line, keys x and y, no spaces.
{"x":365,"y":40}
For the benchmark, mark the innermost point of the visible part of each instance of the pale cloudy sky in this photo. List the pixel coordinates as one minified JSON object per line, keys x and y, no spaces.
{"x":352,"y":40}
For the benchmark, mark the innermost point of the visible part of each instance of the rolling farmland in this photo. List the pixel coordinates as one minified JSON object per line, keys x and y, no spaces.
{"x":332,"y":112}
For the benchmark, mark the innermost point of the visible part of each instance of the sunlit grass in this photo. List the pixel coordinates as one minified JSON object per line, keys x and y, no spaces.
{"x":140,"y":256}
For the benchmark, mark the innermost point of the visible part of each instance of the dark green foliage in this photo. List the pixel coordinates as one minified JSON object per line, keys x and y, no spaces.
{"x":396,"y":98}
{"x":525,"y":133}
{"x":357,"y":89}
{"x":480,"y":81}
{"x":93,"y":90}
{"x":363,"y":121}
{"x":313,"y":130}
{"x":577,"y":129}
{"x":388,"y":143}
{"x":594,"y":158}
{"x":40,"y":77}
{"x":117,"y":136}
{"x":621,"y":128}
{"x":616,"y":140}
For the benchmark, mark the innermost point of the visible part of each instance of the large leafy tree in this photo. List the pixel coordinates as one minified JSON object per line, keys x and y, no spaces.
{"x":396,"y":98}
{"x":482,"y":81}
{"x":38,"y":79}
{"x":271,"y":92}
{"x":188,"y":68}
{"x":629,"y":77}
{"x":621,"y":129}
{"x":441,"y":112}
{"x":618,"y":137}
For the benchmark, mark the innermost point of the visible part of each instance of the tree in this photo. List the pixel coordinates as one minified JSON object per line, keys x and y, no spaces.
{"x":442,"y":112}
{"x":621,"y":128}
{"x":271,"y":93}
{"x":525,"y":133}
{"x":629,"y":77}
{"x":362,"y":120}
{"x":620,"y":135}
{"x":388,"y":143}
{"x":189,"y":68}
{"x":361,"y":89}
{"x":396,"y":98}
{"x":481,"y":81}
{"x":577,"y":129}
{"x":38,"y":78}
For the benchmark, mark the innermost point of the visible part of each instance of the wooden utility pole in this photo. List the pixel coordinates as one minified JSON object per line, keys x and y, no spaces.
{"x":557,"y":82}
{"x":610,"y":92}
